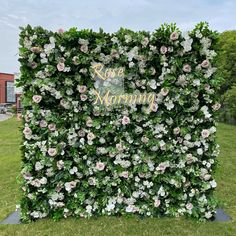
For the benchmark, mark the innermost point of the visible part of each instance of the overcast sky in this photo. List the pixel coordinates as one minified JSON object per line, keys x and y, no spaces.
{"x":109,"y":15}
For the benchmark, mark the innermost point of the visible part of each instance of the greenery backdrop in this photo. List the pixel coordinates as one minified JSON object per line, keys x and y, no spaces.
{"x":83,"y":160}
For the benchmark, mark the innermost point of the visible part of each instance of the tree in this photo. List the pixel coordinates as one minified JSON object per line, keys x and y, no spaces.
{"x":226,"y":60}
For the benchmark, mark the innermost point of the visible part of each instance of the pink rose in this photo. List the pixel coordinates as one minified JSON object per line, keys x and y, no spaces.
{"x":154,"y":107}
{"x":205,"y":64}
{"x":43,"y":124}
{"x":89,"y":122}
{"x":60,"y":31}
{"x":83,"y":97}
{"x":82,"y":88}
{"x":52,"y":127}
{"x":176,"y":130}
{"x":189,"y":206}
{"x":187,"y":68}
{"x":157,"y":203}
{"x":27,"y":131}
{"x":81,"y":133}
{"x":174,"y":36}
{"x":125,"y":120}
{"x":163,"y":50}
{"x":37,"y":98}
{"x":205,"y":133}
{"x":216,"y":106}
{"x":84,"y":48}
{"x":60,"y":66}
{"x":100,"y":166}
{"x":164,"y":91}
{"x":124,"y":174}
{"x":36,"y":49}
{"x":90,"y":136}
{"x":52,"y":152}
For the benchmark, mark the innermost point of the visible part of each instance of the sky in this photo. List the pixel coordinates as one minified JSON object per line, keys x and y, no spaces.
{"x":107,"y":14}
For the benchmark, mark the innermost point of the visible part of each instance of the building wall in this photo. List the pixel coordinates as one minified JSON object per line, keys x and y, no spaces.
{"x":4,"y":77}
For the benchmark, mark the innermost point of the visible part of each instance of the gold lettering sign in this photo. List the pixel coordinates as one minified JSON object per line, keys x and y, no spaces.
{"x":104,"y":73}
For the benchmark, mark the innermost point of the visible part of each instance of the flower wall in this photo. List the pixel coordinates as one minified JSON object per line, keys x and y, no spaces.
{"x":81,"y":159}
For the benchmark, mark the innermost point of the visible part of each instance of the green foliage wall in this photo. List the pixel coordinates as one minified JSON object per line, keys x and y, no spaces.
{"x":81,"y":159}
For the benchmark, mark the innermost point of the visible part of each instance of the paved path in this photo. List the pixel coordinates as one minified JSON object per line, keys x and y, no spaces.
{"x":4,"y":117}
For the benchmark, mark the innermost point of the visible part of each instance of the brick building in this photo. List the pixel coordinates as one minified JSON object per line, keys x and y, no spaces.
{"x":7,"y":93}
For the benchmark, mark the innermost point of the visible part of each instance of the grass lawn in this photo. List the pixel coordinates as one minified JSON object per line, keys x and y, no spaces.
{"x":9,"y":195}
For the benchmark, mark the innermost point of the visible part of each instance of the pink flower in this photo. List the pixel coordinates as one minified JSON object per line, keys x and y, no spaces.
{"x":37,"y":98}
{"x":60,"y":66}
{"x":60,"y":31}
{"x":216,"y":106}
{"x":43,"y":124}
{"x":27,"y":131}
{"x":187,"y":68}
{"x":162,"y":166}
{"x":174,"y":36}
{"x":145,"y":139}
{"x":205,"y":64}
{"x":154,"y":107}
{"x":164,"y":91}
{"x":82,"y":88}
{"x":157,"y":203}
{"x":125,"y":120}
{"x":205,"y":133}
{"x":81,"y":133}
{"x":52,"y":127}
{"x":84,"y":48}
{"x":89,"y":122}
{"x":176,"y":130}
{"x":124,"y":174}
{"x":100,"y":166}
{"x":90,"y":136}
{"x":36,"y":49}
{"x":52,"y":152}
{"x":189,"y":206}
{"x":83,"y":97}
{"x":163,"y":50}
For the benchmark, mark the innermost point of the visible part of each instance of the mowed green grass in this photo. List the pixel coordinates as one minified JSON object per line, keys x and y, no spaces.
{"x":9,"y":195}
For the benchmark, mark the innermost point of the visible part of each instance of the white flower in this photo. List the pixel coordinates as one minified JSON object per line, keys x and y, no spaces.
{"x":199,"y":151}
{"x":157,"y":203}
{"x":196,"y":82}
{"x":133,"y":53}
{"x":213,"y":184}
{"x":187,"y":43}
{"x":129,"y":208}
{"x":73,"y":170}
{"x":70,"y":185}
{"x":38,"y":166}
{"x":60,"y":164}
{"x":208,"y":215}
{"x":43,"y":180}
{"x":152,"y":83}
{"x":169,"y":105}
